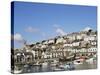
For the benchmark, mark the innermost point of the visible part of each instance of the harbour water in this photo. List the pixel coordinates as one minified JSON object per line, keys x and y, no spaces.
{"x":50,"y":68}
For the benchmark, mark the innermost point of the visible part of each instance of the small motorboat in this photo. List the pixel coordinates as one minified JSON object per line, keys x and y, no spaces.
{"x":67,"y":66}
{"x":26,"y":65}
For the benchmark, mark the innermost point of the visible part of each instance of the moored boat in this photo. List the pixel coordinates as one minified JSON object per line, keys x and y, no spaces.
{"x":37,"y":64}
{"x":58,"y":69}
{"x":17,"y":71}
{"x":78,"y":61}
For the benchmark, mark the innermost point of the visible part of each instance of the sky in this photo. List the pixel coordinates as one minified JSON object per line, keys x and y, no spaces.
{"x":35,"y":22}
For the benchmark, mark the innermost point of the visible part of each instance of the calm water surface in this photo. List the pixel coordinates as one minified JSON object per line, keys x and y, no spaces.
{"x":49,"y":68}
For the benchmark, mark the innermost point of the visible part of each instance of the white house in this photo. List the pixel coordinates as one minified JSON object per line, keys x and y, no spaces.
{"x":71,"y":37}
{"x":83,"y":43}
{"x":79,"y":37}
{"x":83,"y":50}
{"x":64,"y":41}
{"x":39,"y":45}
{"x":53,"y":47}
{"x":45,"y":42}
{"x":50,"y":41}
{"x":36,"y":46}
{"x":89,"y":38}
{"x":43,"y":46}
{"x":59,"y":40}
{"x":67,"y":45}
{"x":93,"y":49}
{"x":75,"y":43}
{"x":44,"y":55}
{"x":33,"y":52}
{"x":94,"y":43}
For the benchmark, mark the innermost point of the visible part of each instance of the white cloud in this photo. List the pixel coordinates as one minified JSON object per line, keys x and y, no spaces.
{"x":18,"y":37}
{"x":60,"y":31}
{"x":31,"y":29}
{"x":87,"y":28}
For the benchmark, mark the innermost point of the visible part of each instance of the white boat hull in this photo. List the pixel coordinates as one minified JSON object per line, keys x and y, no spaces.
{"x":17,"y":71}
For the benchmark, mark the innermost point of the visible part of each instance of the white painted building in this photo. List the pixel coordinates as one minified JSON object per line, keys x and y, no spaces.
{"x":53,"y":47}
{"x":50,"y":41}
{"x":45,"y":42}
{"x":44,"y":55}
{"x":92,"y":49}
{"x":36,"y":46}
{"x":64,"y":41}
{"x":67,"y":45}
{"x":75,"y":43}
{"x":90,"y":38}
{"x":59,"y":40}
{"x":71,"y":37}
{"x":43,"y":46}
{"x":94,"y":43}
{"x":79,"y":37}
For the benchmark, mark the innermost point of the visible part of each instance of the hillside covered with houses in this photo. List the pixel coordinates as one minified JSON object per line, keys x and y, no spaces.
{"x":68,"y":47}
